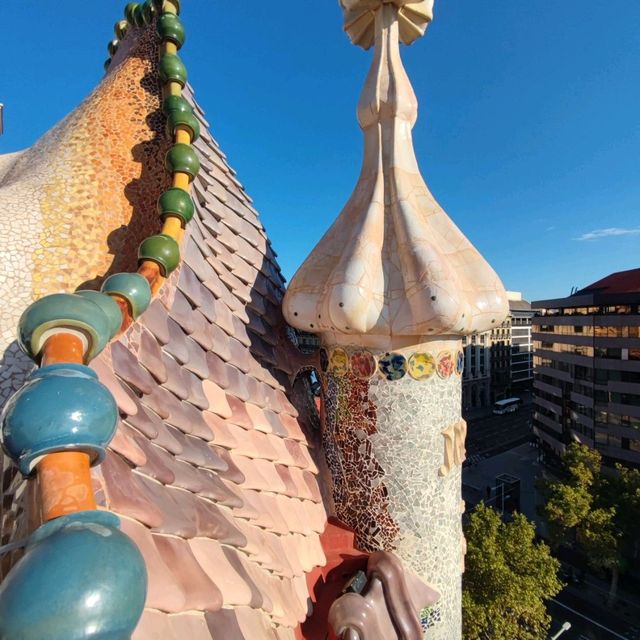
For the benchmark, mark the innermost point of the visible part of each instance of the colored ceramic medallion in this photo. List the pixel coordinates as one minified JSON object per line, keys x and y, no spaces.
{"x":446,"y":365}
{"x":460,"y":362}
{"x":338,"y":362}
{"x":421,"y":366}
{"x":363,"y":364}
{"x":393,"y":366}
{"x":324,"y":360}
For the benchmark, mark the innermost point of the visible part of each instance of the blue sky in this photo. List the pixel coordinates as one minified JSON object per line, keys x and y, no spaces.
{"x":528,"y":135}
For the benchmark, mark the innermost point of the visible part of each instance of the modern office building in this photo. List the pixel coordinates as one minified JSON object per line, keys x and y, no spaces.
{"x":520,"y":316}
{"x":587,"y":368}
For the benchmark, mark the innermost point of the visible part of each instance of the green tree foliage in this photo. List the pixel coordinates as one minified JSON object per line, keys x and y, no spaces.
{"x":583,"y":465}
{"x":566,"y":507}
{"x":508,"y":577}
{"x":623,"y":490}
{"x":590,"y":511}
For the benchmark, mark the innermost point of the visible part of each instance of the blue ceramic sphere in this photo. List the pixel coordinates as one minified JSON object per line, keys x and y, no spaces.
{"x":109,"y":307}
{"x":80,"y":578}
{"x":62,"y":407}
{"x":133,"y":287}
{"x":60,"y":311}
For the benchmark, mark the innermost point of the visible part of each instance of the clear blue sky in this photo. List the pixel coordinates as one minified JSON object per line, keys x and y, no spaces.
{"x":528,"y":135}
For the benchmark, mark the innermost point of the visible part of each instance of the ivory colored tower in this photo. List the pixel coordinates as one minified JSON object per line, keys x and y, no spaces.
{"x":391,"y":288}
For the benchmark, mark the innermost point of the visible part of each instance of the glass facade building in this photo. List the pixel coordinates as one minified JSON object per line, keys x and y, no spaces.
{"x":587,"y":369}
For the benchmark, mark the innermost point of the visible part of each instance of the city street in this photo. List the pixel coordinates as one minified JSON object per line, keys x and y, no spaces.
{"x":584,"y":626}
{"x":486,"y":435}
{"x":520,"y":462}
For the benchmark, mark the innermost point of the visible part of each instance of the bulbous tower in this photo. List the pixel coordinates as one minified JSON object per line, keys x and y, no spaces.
{"x":391,"y":288}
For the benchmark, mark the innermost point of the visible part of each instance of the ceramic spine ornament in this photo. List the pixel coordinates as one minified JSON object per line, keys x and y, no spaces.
{"x":396,"y":278}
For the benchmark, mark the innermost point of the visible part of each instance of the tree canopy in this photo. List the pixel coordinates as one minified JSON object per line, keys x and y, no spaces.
{"x":597,"y":514}
{"x":508,"y":577}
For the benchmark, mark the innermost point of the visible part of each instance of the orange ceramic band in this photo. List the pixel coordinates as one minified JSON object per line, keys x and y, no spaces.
{"x":64,"y":478}
{"x":125,"y":309}
{"x":151,"y":271}
{"x":62,"y":347}
{"x":65,"y":484}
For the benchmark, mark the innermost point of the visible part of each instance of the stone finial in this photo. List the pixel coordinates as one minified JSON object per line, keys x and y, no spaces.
{"x":393,"y":271}
{"x":359,"y":19}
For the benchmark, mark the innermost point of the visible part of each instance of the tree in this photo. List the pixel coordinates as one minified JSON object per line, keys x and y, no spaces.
{"x":566,"y":506}
{"x":599,"y":538}
{"x":623,"y":490}
{"x":508,"y":577}
{"x":583,"y":509}
{"x":583,"y":465}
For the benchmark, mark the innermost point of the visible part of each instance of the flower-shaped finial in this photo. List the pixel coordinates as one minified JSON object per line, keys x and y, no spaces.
{"x":359,"y":19}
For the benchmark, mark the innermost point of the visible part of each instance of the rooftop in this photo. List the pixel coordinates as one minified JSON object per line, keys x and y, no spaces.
{"x":619,"y":282}
{"x":621,"y":287}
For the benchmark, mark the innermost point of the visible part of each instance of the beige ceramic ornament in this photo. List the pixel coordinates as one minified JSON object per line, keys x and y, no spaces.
{"x":394,"y":270}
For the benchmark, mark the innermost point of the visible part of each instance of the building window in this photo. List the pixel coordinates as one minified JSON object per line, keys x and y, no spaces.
{"x":609,"y":352}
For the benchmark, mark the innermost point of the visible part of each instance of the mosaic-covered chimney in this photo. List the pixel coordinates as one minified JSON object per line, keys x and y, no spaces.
{"x":391,"y":288}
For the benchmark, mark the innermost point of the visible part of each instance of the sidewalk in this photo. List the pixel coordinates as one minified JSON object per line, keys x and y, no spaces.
{"x":520,"y":461}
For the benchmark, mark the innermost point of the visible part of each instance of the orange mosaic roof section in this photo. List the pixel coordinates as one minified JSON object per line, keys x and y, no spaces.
{"x":210,"y":470}
{"x":106,"y":163}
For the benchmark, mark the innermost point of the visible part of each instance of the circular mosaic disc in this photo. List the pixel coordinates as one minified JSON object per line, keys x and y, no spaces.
{"x":460,"y":362}
{"x":393,"y":366}
{"x":338,"y":362}
{"x":445,"y":366}
{"x":363,"y":364}
{"x":421,"y":366}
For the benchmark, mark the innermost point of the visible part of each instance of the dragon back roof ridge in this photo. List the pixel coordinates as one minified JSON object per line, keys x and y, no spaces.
{"x":204,"y":460}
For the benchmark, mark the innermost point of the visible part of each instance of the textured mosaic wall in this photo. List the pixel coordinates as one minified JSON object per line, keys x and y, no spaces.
{"x":393,"y":437}
{"x":85,"y":196}
{"x":425,"y":505}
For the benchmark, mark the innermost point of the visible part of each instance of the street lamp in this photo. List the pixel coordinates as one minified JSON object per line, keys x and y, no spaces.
{"x":565,"y":627}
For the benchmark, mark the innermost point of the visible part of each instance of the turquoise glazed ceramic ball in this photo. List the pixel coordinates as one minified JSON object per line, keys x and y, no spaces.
{"x":172,"y":69}
{"x":81,"y":578}
{"x":161,"y":249}
{"x":60,"y":311}
{"x":170,"y":28}
{"x":109,"y":307}
{"x":176,"y":202}
{"x":133,"y":287}
{"x":175,"y":103}
{"x":62,"y":407}
{"x":181,"y":157}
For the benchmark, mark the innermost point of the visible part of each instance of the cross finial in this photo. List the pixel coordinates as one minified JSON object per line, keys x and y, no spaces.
{"x":359,"y":19}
